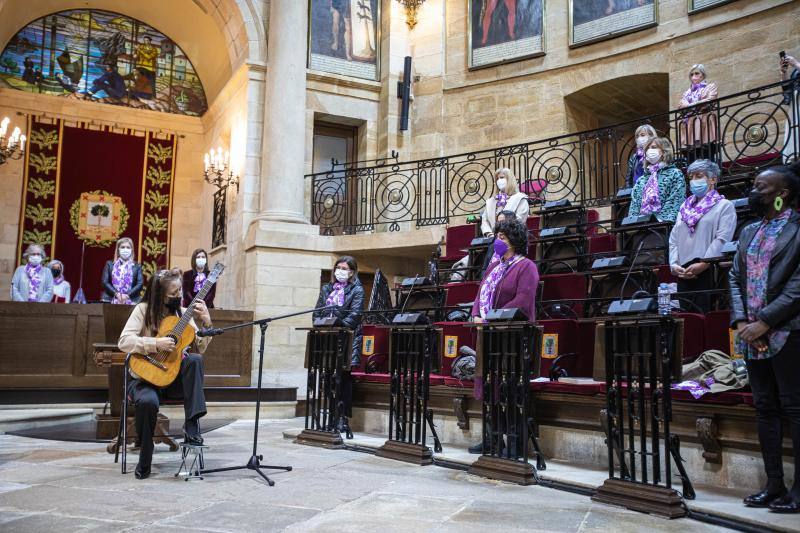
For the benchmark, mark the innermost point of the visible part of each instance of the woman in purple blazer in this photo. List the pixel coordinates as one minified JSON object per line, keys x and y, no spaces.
{"x":512,"y":281}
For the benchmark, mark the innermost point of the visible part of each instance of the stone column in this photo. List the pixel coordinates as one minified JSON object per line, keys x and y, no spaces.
{"x":284,"y":140}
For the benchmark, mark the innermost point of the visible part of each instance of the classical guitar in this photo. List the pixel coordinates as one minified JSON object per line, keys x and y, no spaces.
{"x":161,"y":369}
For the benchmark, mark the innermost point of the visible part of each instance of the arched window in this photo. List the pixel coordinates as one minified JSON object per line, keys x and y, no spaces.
{"x":102,"y":56}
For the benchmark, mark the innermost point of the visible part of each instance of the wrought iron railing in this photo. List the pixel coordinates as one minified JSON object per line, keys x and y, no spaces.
{"x":741,"y":132}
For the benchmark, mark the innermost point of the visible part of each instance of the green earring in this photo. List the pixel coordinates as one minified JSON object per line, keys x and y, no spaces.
{"x":778,"y":204}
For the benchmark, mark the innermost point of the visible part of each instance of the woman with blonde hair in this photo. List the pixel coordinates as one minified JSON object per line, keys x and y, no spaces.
{"x":62,"y":290}
{"x":32,"y":282}
{"x":662,"y":190}
{"x":644,"y":134}
{"x":122,"y":277}
{"x":508,"y":198}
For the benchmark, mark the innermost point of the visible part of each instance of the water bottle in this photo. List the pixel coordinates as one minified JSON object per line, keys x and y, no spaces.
{"x":664,"y":300}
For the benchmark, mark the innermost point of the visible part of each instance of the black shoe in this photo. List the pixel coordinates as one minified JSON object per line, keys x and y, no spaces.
{"x":785,"y":504}
{"x":763,"y":498}
{"x":476,"y":448}
{"x":193,"y":440}
{"x":141,"y":474}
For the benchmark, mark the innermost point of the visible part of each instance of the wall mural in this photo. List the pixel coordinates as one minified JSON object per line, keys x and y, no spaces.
{"x":596,"y":20}
{"x":505,"y":30}
{"x":343,"y":37}
{"x":102,"y":56}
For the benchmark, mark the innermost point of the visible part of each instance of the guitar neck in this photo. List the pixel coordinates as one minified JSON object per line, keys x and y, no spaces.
{"x":187,"y":315}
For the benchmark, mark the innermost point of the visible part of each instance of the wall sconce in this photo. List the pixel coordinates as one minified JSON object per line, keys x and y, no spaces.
{"x":14,"y":146}
{"x":218,"y":173}
{"x":411,"y":11}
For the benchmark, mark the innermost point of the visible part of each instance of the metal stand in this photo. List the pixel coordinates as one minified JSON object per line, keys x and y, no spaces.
{"x":194,"y":455}
{"x":254,"y":463}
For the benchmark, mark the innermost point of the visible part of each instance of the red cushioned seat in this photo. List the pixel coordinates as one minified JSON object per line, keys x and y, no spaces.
{"x":436,"y":379}
{"x":569,"y":286}
{"x":461,"y":292}
{"x":602,"y":243}
{"x":370,"y":378}
{"x":718,"y":398}
{"x":718,"y":331}
{"x":694,"y":335}
{"x":753,"y":160}
{"x":457,"y":239}
{"x":458,"y":383}
{"x":568,"y":388}
{"x":533,"y":227}
{"x":592,"y":217}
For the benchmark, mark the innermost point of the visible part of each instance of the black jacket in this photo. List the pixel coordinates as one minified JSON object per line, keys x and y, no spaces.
{"x":350,"y":313}
{"x":188,"y":289}
{"x":136,"y":284}
{"x":783,"y":286}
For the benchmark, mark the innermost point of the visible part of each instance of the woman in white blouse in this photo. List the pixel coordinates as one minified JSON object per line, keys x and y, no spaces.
{"x":706,"y":221}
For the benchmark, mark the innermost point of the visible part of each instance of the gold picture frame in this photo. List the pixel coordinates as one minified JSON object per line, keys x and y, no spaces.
{"x":611,"y":34}
{"x":471,"y":64}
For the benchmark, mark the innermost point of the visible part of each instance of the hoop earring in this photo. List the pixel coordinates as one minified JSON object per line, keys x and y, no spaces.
{"x":778,"y":203}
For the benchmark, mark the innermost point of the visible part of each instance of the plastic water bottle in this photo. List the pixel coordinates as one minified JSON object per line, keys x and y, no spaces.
{"x":664,"y":300}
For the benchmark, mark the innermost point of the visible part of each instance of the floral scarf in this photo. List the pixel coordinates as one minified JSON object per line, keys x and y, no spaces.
{"x":35,"y":277}
{"x":694,"y":208}
{"x":198,"y":281}
{"x":759,"y":253}
{"x":695,"y":93}
{"x":502,"y":200}
{"x":651,"y":202}
{"x":122,"y":279}
{"x":336,"y":297}
{"x":490,"y":283}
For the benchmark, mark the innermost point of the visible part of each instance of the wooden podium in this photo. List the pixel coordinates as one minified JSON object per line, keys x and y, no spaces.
{"x":411,"y":348}
{"x":328,"y":351}
{"x":506,"y":353}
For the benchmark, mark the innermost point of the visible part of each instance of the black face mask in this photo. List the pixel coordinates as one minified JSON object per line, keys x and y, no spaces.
{"x":757,"y":203}
{"x":174,"y":304}
{"x":56,"y":272}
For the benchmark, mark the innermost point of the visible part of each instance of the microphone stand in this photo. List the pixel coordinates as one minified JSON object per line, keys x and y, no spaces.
{"x":254,"y":463}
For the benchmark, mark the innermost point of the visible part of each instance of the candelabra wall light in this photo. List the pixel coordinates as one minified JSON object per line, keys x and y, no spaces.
{"x":412,"y":6}
{"x":218,"y":173}
{"x":12,"y":147}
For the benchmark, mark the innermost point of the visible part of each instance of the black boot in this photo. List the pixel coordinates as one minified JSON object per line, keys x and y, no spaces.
{"x":774,"y":490}
{"x":476,"y":448}
{"x":785,"y":504}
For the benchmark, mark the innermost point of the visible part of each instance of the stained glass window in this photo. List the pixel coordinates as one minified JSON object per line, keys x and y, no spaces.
{"x":94,"y":55}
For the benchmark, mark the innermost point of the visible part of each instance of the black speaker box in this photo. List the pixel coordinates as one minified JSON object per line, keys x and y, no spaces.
{"x":508,"y":315}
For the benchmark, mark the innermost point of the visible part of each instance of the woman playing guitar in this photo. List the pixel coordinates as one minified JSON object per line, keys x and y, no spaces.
{"x":163,"y":299}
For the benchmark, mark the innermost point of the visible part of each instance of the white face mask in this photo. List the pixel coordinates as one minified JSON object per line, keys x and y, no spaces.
{"x":200,"y":262}
{"x":653,"y":156}
{"x":502,"y":183}
{"x":125,"y":253}
{"x":642,"y":140}
{"x":35,"y":259}
{"x":341,"y":275}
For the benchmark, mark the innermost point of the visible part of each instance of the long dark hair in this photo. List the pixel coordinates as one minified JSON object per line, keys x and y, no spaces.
{"x":154,"y":296}
{"x":194,"y":260}
{"x":351,"y":263}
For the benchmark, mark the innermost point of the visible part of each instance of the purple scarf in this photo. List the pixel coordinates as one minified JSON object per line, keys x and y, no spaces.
{"x":336,"y":297}
{"x":694,"y":208}
{"x":198,"y":281}
{"x":759,"y":253}
{"x":490,"y":283}
{"x":502,"y":200}
{"x":651,"y":202}
{"x":35,"y":278}
{"x":122,"y":279}
{"x":693,"y":95}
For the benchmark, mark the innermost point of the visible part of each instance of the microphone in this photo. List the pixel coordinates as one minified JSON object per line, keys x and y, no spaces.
{"x":630,"y":269}
{"x":410,"y":318}
{"x":413,"y":286}
{"x":210,"y":332}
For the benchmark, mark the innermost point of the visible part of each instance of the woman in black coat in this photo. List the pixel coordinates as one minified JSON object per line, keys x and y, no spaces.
{"x":122,"y":278}
{"x":194,"y":279}
{"x":765,"y":309}
{"x":345,"y":292}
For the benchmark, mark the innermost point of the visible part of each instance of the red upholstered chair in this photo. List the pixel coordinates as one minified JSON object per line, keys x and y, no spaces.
{"x":535,"y":189}
{"x":592,"y":217}
{"x":461,"y":292}
{"x":533,"y":227}
{"x":694,"y":335}
{"x":454,"y":335}
{"x":559,"y":342}
{"x":374,"y":350}
{"x":457,"y":239}
{"x":602,"y":243}
{"x":718,"y":332}
{"x":567,"y":287}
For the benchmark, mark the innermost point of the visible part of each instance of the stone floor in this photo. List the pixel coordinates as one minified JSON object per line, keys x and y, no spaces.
{"x":66,"y":486}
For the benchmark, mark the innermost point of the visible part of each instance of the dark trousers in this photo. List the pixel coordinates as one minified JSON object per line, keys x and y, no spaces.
{"x":776,"y":389}
{"x":188,"y":386}
{"x":697,"y":303}
{"x":346,"y":393}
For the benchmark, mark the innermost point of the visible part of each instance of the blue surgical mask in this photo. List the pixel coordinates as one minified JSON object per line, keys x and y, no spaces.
{"x":500,"y":247}
{"x":698,"y":187}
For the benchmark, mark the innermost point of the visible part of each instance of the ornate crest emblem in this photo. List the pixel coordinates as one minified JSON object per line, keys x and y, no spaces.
{"x":98,"y":218}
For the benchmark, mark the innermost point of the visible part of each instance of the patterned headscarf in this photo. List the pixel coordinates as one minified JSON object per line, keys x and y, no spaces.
{"x":694,"y":208}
